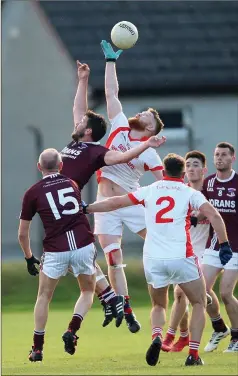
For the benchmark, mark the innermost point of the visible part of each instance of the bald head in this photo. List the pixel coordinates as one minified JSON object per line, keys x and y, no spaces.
{"x":50,"y":160}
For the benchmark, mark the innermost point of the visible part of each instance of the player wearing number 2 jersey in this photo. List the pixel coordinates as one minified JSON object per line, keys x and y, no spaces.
{"x":125,"y":134}
{"x":68,"y":243}
{"x":195,"y":167}
{"x":168,"y":255}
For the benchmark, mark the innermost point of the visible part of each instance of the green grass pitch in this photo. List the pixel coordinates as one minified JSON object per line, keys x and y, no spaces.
{"x":100,"y":351}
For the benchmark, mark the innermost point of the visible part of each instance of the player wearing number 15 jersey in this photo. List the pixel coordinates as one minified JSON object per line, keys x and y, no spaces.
{"x":168,"y":255}
{"x":68,"y":243}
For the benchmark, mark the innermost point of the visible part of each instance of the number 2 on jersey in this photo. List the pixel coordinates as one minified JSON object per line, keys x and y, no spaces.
{"x":63,"y":200}
{"x":159,"y":216}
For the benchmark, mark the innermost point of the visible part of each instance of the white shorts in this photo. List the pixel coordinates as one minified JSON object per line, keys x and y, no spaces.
{"x":112,"y":222}
{"x":78,"y":261}
{"x":161,"y":273}
{"x":212,"y":258}
{"x":199,"y":254}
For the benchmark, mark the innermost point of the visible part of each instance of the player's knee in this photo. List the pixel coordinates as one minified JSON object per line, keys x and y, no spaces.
{"x":179,"y":294}
{"x":114,"y":256}
{"x":226,"y":295}
{"x":199,"y":298}
{"x":158,"y":306}
{"x":209,"y":289}
{"x":45,"y":294}
{"x":87,"y":296}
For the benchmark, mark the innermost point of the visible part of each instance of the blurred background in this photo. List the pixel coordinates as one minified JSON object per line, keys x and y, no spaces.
{"x":185,"y":65}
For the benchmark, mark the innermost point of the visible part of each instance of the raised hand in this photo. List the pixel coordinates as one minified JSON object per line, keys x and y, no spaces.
{"x":156,"y":141}
{"x":83,"y":70}
{"x":109,"y":53}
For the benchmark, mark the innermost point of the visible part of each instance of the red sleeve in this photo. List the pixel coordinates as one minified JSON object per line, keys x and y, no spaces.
{"x":28,"y":206}
{"x":157,"y":168}
{"x":134,"y":200}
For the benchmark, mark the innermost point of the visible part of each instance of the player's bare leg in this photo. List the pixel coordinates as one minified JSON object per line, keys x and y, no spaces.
{"x":220,"y":328}
{"x":82,"y":306}
{"x":112,"y":303}
{"x":159,"y":300}
{"x":196,"y":293}
{"x":227,"y":285}
{"x":45,"y":293}
{"x":179,"y":316}
{"x":111,"y":245}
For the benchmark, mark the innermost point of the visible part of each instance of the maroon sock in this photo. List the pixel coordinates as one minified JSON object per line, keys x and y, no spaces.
{"x":38,"y":340}
{"x":107,"y":295}
{"x":218,"y":324}
{"x":75,"y":323}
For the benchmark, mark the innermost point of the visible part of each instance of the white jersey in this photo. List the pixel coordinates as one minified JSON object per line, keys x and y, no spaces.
{"x":127,"y":175}
{"x":199,"y":236}
{"x":168,"y":206}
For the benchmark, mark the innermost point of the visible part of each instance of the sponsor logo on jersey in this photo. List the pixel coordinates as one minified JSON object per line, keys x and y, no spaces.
{"x":231,"y":192}
{"x":69,"y":151}
{"x":204,"y":222}
{"x":223,"y":204}
{"x":122,"y":148}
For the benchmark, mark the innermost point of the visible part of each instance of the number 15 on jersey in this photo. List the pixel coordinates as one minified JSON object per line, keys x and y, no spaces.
{"x":63,"y":200}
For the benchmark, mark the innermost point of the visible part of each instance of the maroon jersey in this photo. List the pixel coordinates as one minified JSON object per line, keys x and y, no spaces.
{"x":223,"y":195}
{"x":82,"y":160}
{"x":57,"y":199}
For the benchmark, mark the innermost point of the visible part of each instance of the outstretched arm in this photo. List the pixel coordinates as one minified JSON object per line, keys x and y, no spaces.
{"x":216,"y":221}
{"x":81,"y":97}
{"x":111,"y":83}
{"x":110,"y":204}
{"x":114,"y":157}
{"x":114,"y":106}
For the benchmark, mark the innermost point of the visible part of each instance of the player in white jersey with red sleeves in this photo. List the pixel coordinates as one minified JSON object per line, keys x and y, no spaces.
{"x":168,"y":255}
{"x":195,"y":167}
{"x":125,"y":134}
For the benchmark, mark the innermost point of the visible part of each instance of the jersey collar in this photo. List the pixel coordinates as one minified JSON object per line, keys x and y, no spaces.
{"x":145,"y":138}
{"x":90,"y":142}
{"x":173,"y":179}
{"x":87,"y":142}
{"x":226,"y":180}
{"x":51,"y":175}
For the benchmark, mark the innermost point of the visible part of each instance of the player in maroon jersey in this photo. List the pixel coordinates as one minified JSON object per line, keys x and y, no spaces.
{"x":221,"y":189}
{"x":68,"y":243}
{"x":84,"y":155}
